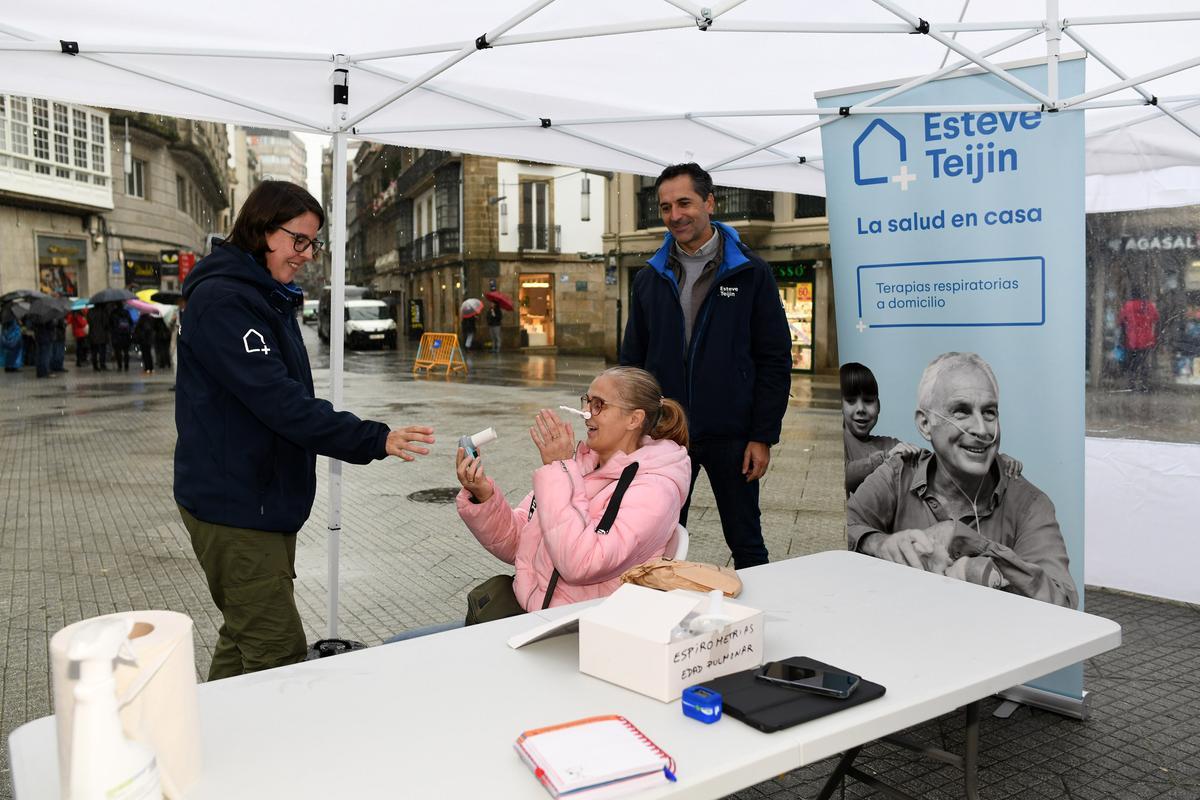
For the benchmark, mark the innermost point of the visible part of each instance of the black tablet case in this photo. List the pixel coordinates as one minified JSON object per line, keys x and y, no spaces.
{"x":773,"y":708}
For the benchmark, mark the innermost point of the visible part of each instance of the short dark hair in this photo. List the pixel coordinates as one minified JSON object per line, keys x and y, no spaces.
{"x":702,"y":182}
{"x":858,"y":381}
{"x":271,"y":204}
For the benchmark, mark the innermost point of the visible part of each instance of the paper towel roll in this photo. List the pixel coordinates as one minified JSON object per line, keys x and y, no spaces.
{"x":157,"y":697}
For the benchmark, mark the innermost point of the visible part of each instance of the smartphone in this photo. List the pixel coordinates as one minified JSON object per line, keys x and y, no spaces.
{"x":823,"y":681}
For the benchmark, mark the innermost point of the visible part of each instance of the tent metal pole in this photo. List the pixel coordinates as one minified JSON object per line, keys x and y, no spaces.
{"x":775,"y":26}
{"x":528,"y":38}
{"x":1130,"y":82}
{"x":721,"y":129}
{"x":1053,"y":48}
{"x":142,"y":50}
{"x":964,"y":51}
{"x":337,"y":249}
{"x":794,"y":161}
{"x":307,"y":125}
{"x":758,"y":148}
{"x":515,"y":115}
{"x":1140,"y":120}
{"x":685,"y":8}
{"x":962,"y":13}
{"x":725,"y":7}
{"x":1122,"y":19}
{"x":467,"y":50}
{"x":890,"y":93}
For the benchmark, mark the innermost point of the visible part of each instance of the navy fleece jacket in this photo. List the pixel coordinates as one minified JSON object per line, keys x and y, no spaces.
{"x":249,"y":425}
{"x":734,"y":376}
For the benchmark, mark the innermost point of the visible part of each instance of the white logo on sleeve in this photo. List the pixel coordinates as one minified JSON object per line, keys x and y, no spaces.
{"x":253,"y":337}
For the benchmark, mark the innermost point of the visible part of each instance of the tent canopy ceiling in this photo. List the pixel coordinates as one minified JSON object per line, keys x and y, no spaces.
{"x":679,"y":92}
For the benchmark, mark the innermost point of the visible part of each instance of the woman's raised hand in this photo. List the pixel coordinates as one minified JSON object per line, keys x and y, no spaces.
{"x":470,"y":474}
{"x":554,"y":438}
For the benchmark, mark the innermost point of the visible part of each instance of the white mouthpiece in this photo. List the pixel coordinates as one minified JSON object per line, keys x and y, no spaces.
{"x":584,"y":414}
{"x":485,"y":436}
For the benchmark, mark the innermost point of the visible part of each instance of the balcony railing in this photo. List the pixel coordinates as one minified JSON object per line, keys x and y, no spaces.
{"x":431,"y":245}
{"x":539,"y":238}
{"x":732,"y":204}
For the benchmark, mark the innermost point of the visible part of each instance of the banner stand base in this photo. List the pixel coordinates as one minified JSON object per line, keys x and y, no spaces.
{"x":1076,"y":708}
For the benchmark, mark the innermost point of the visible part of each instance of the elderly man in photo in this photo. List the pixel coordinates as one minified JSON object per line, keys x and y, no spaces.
{"x":955,"y":511}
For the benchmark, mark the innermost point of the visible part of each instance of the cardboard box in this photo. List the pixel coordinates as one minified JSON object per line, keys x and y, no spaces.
{"x":626,"y":640}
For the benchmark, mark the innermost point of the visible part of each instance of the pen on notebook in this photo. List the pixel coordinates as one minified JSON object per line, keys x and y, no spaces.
{"x":670,"y":775}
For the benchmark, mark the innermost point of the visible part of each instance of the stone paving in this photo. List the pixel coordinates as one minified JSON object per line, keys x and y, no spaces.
{"x":88,"y":526}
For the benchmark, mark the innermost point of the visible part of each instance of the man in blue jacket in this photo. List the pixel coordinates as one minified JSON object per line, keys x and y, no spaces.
{"x":250,"y":426}
{"x":707,"y":321}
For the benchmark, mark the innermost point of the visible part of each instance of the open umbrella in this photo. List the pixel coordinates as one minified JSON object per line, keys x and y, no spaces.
{"x":17,"y":294}
{"x":111,"y":296}
{"x":165,"y":298}
{"x":47,"y":309}
{"x":143,"y":307}
{"x":471,"y":307}
{"x":146,"y":295}
{"x":500,"y":298}
{"x":80,"y":303}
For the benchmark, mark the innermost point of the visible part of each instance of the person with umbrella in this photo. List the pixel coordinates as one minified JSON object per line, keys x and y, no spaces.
{"x":495,"y":317}
{"x":120,"y":334}
{"x":470,"y":312}
{"x":77,"y":319}
{"x":251,"y":427}
{"x":10,"y":340}
{"x":97,"y":319}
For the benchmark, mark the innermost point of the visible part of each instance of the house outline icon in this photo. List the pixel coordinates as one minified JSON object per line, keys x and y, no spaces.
{"x":880,"y":123}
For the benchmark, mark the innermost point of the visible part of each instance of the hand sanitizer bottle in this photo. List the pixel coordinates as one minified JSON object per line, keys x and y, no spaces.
{"x":104,"y":764}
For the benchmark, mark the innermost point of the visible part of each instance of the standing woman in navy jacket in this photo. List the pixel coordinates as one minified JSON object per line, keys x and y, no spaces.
{"x":250,"y":427}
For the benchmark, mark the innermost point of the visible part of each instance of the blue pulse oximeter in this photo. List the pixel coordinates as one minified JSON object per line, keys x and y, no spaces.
{"x":701,"y":703}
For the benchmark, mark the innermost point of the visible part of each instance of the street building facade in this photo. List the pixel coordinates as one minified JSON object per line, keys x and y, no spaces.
{"x":281,"y":155}
{"x":789,"y":231}
{"x":433,"y":228}
{"x":85,"y":205}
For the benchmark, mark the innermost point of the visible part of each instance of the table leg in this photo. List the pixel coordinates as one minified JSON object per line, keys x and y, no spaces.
{"x":838,"y":773}
{"x":971,"y":754}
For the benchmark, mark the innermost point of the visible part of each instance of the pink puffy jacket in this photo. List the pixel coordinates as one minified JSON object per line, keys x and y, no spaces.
{"x":571,"y":498}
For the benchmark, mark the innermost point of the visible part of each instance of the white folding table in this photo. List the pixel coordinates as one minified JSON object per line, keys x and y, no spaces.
{"x":437,"y":716}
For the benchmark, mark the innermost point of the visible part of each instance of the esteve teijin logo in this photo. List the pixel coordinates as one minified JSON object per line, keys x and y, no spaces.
{"x":903,"y":177}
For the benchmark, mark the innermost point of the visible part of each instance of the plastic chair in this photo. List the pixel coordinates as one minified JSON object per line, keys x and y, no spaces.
{"x":681,"y":543}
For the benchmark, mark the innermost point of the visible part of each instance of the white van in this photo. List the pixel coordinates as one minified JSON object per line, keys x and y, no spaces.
{"x":369,"y":323}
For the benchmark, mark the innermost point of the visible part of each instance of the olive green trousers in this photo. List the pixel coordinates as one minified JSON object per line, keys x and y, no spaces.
{"x":250,"y":574}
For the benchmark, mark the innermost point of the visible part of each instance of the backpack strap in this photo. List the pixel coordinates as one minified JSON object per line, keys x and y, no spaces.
{"x":606,"y":522}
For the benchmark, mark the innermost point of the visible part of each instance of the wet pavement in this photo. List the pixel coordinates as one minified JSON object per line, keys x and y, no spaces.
{"x":88,"y":527}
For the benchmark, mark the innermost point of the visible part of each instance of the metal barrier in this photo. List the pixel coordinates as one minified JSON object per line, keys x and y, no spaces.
{"x":438,"y":350}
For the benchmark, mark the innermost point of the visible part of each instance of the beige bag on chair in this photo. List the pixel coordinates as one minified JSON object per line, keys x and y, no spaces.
{"x":665,"y":574}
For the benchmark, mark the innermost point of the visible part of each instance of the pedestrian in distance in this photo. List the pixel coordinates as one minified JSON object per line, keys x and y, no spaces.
{"x":161,"y":342}
{"x":58,"y":346}
{"x":707,"y":321}
{"x":250,"y":426}
{"x":1138,"y":323}
{"x":97,"y":317}
{"x":78,"y":323}
{"x":495,"y":318}
{"x":43,"y":334}
{"x":120,"y":334}
{"x":10,"y":342}
{"x":468,"y":327}
{"x":143,"y":334}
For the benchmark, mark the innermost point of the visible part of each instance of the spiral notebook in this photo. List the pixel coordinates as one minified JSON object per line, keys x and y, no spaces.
{"x":594,"y":757}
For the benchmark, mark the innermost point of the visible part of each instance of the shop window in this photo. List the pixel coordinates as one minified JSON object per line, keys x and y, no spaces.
{"x":60,"y":263}
{"x":534,"y":225}
{"x":535,"y":306}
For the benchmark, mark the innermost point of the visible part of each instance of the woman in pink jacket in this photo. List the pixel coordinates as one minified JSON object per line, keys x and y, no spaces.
{"x":630,"y":421}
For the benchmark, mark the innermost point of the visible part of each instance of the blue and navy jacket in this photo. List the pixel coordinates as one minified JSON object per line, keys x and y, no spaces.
{"x":249,"y":425}
{"x":735,"y":375}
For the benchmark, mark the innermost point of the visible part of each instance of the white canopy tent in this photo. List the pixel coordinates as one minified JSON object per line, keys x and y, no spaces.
{"x":625,"y":85}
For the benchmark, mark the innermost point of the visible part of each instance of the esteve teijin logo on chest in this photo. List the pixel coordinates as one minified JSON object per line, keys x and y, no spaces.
{"x":729,"y":291}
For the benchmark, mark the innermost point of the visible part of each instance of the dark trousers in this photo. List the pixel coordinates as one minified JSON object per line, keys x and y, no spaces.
{"x":81,"y":352}
{"x":147,"y":358}
{"x":737,"y":500}
{"x":58,"y":355}
{"x":43,"y":358}
{"x":1139,"y":369}
{"x":121,"y":355}
{"x":250,"y":576}
{"x":99,"y":355}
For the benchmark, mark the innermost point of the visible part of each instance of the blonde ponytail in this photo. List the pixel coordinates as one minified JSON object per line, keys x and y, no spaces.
{"x":665,"y":418}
